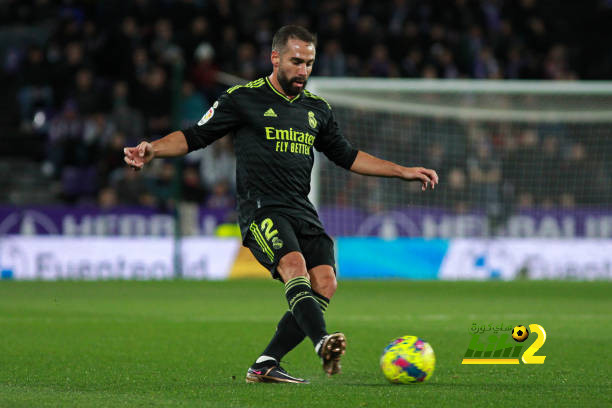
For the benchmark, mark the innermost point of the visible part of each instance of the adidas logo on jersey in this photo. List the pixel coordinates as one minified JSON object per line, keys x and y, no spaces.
{"x":270,"y":113}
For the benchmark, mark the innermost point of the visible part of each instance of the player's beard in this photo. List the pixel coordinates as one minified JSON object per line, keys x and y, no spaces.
{"x":287,"y":84}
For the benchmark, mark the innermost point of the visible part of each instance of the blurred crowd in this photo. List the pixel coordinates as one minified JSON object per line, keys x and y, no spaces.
{"x":496,"y":167}
{"x":91,"y":77}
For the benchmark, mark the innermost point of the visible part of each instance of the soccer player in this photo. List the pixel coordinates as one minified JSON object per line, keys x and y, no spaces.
{"x":276,"y":123}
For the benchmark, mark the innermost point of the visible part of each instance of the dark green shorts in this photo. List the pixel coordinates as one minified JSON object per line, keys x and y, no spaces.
{"x":273,"y":234}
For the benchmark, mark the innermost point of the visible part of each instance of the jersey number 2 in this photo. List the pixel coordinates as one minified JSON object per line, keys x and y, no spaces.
{"x":266,"y":226}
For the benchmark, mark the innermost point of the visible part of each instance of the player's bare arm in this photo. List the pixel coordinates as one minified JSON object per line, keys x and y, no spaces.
{"x":171,"y":145}
{"x":369,"y":165}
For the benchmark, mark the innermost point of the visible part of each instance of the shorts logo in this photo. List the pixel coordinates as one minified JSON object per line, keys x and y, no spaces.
{"x":277,"y":243}
{"x":312,"y":121}
{"x":264,"y":233}
{"x":207,"y":116}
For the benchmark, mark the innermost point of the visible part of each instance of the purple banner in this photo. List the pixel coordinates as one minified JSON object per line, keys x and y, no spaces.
{"x":427,"y":223}
{"x":436,"y":223}
{"x":93,"y":221}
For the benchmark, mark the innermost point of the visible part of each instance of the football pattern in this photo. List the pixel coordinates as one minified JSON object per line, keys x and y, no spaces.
{"x":520,"y":333}
{"x":408,"y":359}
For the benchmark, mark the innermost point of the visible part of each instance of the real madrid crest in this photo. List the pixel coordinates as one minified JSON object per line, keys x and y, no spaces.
{"x":312,"y":121}
{"x":277,"y":243}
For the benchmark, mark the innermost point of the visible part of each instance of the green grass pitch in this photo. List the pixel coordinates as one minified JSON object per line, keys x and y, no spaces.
{"x":181,"y":343}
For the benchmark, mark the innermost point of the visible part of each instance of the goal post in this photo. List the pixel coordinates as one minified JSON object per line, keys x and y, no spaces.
{"x":503,"y":150}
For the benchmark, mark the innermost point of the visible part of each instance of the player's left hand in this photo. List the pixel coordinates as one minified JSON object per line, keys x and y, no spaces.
{"x":137,"y":157}
{"x":427,"y":177}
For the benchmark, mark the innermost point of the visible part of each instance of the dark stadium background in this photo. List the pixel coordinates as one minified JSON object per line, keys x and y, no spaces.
{"x":81,"y":79}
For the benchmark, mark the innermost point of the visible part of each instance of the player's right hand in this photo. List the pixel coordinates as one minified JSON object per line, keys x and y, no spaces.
{"x":137,"y":157}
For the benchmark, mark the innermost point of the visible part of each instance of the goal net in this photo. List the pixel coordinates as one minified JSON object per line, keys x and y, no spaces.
{"x":515,"y":158}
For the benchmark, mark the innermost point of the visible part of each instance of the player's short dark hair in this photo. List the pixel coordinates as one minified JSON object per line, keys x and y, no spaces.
{"x":292,"y":31}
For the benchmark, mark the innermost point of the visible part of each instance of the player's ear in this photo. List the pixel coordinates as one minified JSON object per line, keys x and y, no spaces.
{"x":275,"y":58}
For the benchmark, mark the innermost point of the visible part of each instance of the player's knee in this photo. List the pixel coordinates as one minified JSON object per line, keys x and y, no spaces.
{"x":291,"y":266}
{"x":324,"y":280}
{"x":330,"y":285}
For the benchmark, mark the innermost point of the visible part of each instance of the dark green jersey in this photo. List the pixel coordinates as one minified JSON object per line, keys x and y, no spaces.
{"x":273,"y":140}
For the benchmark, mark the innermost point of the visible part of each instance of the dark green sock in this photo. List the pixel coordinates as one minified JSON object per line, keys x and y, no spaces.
{"x":288,"y":334}
{"x":305,"y":308}
{"x":323,"y":301}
